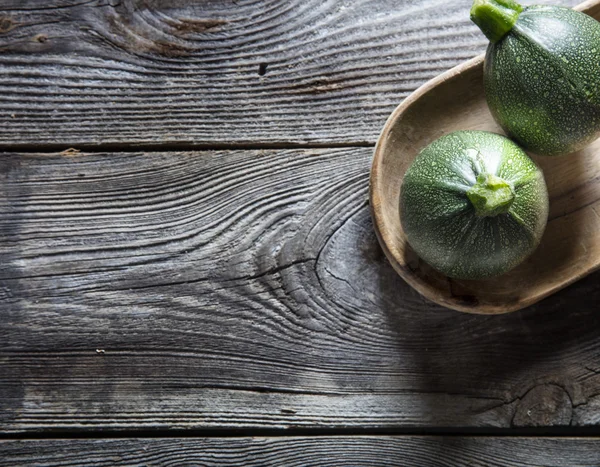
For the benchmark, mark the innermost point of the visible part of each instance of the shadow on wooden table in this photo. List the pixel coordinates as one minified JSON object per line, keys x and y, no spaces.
{"x":448,"y":369}
{"x":534,"y":367}
{"x":531,"y":368}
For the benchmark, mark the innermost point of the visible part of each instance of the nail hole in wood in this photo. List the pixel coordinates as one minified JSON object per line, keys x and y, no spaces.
{"x":262,"y":69}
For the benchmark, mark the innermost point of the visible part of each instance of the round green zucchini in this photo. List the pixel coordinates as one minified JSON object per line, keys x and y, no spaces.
{"x":473,"y":205}
{"x":541,"y":74}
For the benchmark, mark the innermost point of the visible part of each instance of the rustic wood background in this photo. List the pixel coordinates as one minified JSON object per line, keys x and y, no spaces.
{"x":384,"y":451}
{"x":186,"y":249}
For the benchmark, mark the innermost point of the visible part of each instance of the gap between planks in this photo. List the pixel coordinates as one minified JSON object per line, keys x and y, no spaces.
{"x":476,"y":432}
{"x":172,"y":147}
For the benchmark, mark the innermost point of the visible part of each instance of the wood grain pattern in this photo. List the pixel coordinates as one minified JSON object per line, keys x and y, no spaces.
{"x":107,"y":72}
{"x":304,"y":451}
{"x":570,"y":247}
{"x":245,"y":289}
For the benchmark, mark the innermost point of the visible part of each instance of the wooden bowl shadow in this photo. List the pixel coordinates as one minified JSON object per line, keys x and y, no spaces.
{"x":489,"y":363}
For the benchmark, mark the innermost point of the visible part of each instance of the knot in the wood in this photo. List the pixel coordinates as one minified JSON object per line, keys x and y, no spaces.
{"x":544,"y":405}
{"x":7,"y":24}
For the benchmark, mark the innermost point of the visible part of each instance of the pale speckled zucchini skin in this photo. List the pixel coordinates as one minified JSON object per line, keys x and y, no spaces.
{"x":440,"y":222}
{"x":542,"y":80}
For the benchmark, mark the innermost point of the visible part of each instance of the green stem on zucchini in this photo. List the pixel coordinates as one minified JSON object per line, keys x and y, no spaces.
{"x":495,"y":18}
{"x":491,"y":195}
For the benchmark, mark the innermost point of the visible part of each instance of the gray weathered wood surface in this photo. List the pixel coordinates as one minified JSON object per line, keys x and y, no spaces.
{"x":247,"y":289}
{"x":143,"y":288}
{"x":301,"y":452}
{"x":221,"y":72}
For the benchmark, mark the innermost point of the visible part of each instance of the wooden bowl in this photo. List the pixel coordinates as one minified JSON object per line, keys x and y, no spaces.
{"x":570,"y":247}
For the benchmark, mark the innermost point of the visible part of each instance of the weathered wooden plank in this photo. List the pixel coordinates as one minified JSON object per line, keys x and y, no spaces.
{"x":240,"y":289}
{"x":220,"y":72}
{"x":410,"y":451}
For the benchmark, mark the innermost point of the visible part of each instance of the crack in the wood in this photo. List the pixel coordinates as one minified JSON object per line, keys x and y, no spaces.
{"x":595,"y":371}
{"x":581,"y":404}
{"x":275,"y":270}
{"x":69,"y":273}
{"x":337,"y":229}
{"x":267,"y":390}
{"x":340,"y":278}
{"x":62,"y":7}
{"x":586,"y":402}
{"x":330,"y":236}
{"x":525,"y":393}
{"x":572,"y":405}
